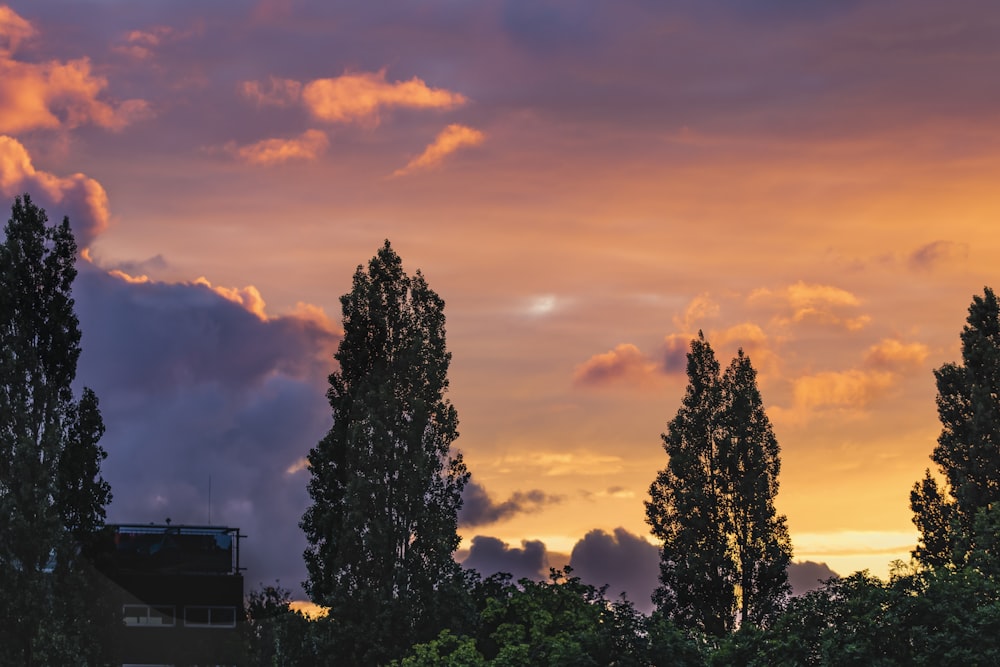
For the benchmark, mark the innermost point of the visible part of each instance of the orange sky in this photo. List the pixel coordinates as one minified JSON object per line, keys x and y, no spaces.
{"x":585,"y":184}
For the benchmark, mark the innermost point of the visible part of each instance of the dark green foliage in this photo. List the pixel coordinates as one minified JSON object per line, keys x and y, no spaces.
{"x":561,"y":622}
{"x":968,"y":449}
{"x":275,"y":635}
{"x":385,"y":486}
{"x":725,"y":549}
{"x":51,"y":495}
{"x":918,"y":617}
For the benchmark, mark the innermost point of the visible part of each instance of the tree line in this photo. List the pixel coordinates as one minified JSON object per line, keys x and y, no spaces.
{"x":386,"y":485}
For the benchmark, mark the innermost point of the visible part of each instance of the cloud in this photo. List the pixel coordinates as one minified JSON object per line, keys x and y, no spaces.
{"x":193,"y":383}
{"x":489,"y":555}
{"x":822,"y":304}
{"x":13,"y":31}
{"x":932,"y":255}
{"x":277,"y":92}
{"x":53,"y":94}
{"x":140,"y":44}
{"x":627,"y":563}
{"x":360,"y":97}
{"x":625,"y":364}
{"x":674,"y":354}
{"x":631,"y":564}
{"x":614,"y":492}
{"x":77,"y":196}
{"x":850,"y":389}
{"x":892,"y":354}
{"x":883,"y":367}
{"x":556,"y":464}
{"x":249,"y":297}
{"x":449,"y":140}
{"x":479,"y":509}
{"x":307,"y":146}
{"x":807,"y":575}
{"x":701,"y":308}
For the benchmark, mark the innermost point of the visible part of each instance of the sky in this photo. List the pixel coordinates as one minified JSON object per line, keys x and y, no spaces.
{"x":586,"y":184}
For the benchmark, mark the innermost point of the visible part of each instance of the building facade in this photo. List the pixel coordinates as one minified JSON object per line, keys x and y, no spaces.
{"x":181,"y":589}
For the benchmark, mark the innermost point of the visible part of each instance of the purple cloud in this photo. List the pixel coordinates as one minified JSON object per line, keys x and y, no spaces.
{"x":192,"y":387}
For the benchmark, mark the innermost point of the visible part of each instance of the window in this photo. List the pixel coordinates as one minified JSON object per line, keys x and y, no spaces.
{"x":210,"y":617}
{"x":145,"y":615}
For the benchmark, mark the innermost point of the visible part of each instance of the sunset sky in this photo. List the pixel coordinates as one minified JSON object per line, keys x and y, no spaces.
{"x":586,"y":183}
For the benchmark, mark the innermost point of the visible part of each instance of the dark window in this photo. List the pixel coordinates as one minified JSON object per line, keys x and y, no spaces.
{"x":210,"y":617}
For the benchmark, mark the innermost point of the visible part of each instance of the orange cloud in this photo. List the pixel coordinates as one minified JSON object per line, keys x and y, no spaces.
{"x":13,"y":30}
{"x":625,"y":364}
{"x":307,"y":146}
{"x":851,"y":389}
{"x":132,"y":280}
{"x":700,"y":308}
{"x":277,"y":92}
{"x":556,"y":464}
{"x":249,"y":297}
{"x":449,"y":140}
{"x":745,"y":334}
{"x":360,"y":97}
{"x":82,"y":198}
{"x":824,"y":304}
{"x":891,"y":354}
{"x":884,"y":366}
{"x":53,"y":94}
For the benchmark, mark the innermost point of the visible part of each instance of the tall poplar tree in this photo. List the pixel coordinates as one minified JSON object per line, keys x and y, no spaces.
{"x":952,"y":520}
{"x":385,"y":486}
{"x":725,"y":549}
{"x":750,"y":463}
{"x":687,"y":507}
{"x":52,"y":497}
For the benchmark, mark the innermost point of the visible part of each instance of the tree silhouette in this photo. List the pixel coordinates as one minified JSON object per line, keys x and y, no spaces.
{"x":725,"y":548}
{"x":51,"y":495}
{"x":385,"y":486}
{"x":952,"y":520}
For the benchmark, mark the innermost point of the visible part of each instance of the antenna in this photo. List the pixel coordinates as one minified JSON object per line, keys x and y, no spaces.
{"x":209,"y":500}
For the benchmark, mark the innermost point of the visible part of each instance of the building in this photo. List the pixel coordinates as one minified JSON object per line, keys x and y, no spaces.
{"x":181,"y":589}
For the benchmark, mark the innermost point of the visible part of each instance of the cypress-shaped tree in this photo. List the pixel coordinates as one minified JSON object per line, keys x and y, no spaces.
{"x":968,"y":449}
{"x":725,"y":548}
{"x":750,"y":463}
{"x":51,"y":495}
{"x":687,"y":508}
{"x":385,"y":486}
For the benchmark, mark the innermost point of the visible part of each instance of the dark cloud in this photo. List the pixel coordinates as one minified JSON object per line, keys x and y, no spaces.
{"x":807,"y":575}
{"x":630,"y":564}
{"x":193,"y":387}
{"x":930,"y":256}
{"x":489,"y":555}
{"x":550,"y":26}
{"x":674,"y":354}
{"x":478,"y":508}
{"x":626,"y":563}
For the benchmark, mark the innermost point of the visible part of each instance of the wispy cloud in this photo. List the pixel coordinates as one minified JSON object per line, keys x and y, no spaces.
{"x":276,"y":92}
{"x":479,"y":509}
{"x":449,"y":140}
{"x":361,"y":97}
{"x":307,"y":146}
